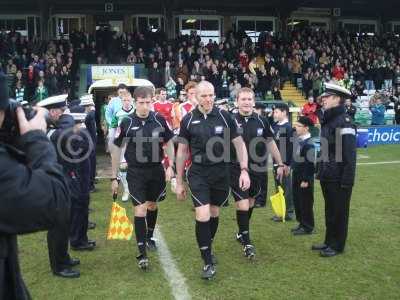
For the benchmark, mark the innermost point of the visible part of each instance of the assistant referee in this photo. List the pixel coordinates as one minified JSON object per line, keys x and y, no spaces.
{"x":207,"y":133}
{"x":144,"y":132}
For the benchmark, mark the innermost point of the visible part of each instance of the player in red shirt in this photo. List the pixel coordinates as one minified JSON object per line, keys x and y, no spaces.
{"x":191,"y":102}
{"x":162,"y":106}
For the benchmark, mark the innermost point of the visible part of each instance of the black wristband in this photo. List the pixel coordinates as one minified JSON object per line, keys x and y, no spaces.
{"x":115,"y":178}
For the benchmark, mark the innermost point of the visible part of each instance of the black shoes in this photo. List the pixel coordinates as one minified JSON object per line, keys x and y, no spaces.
{"x":318,"y":247}
{"x":83,"y":247}
{"x":142,"y":261}
{"x":208,"y":272}
{"x":328,"y":252}
{"x":249,"y":251}
{"x":72,"y":262}
{"x":301,"y":231}
{"x":67,"y":273}
{"x":151,"y":244}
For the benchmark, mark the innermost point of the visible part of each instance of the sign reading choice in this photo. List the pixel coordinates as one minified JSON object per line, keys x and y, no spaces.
{"x":98,"y":72}
{"x":379,"y":135}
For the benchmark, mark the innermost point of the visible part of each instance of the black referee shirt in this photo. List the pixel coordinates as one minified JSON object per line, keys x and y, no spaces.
{"x":208,"y":135}
{"x":256,"y":133}
{"x":144,"y":137}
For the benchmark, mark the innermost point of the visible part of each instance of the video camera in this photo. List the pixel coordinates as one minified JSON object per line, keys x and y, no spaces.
{"x":9,"y":132}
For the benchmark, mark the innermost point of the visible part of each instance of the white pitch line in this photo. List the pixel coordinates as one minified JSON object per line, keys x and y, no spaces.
{"x":176,"y":280}
{"x":379,"y":163}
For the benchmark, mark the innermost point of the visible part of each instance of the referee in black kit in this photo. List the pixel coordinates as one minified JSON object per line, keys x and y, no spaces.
{"x":145,"y":133}
{"x":337,"y":167}
{"x":207,"y":132}
{"x":259,"y":140}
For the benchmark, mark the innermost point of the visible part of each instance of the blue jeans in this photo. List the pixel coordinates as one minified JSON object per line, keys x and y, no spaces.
{"x":369,"y":85}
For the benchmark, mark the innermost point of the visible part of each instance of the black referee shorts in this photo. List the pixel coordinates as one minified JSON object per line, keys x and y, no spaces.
{"x":208,"y":184}
{"x":258,"y":184}
{"x":146,"y":184}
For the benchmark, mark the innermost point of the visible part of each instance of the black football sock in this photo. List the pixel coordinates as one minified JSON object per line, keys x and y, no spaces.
{"x":203,"y":236}
{"x":151,"y":219}
{"x":242,"y":218}
{"x":214,"y":221}
{"x":140,"y":231}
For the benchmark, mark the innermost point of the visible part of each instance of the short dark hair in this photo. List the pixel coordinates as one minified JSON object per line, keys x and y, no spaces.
{"x":283,"y":107}
{"x":143,"y":92}
{"x":122,"y":86}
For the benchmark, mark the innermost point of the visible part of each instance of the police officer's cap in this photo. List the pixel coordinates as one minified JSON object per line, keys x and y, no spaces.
{"x":333,"y":89}
{"x":78,"y":117}
{"x":306,"y":121}
{"x":59,"y":101}
{"x":87,"y":100}
{"x":4,"y":100}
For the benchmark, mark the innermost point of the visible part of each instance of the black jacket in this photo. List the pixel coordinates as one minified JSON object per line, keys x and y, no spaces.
{"x":34,"y":197}
{"x":338,"y":162}
{"x":303,"y":161}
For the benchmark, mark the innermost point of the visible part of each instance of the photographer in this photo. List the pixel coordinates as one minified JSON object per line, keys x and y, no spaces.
{"x":34,"y":192}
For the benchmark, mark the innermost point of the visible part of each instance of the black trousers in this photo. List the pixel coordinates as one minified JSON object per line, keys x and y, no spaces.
{"x":303,"y":200}
{"x":79,"y":215}
{"x":337,"y":205}
{"x":57,"y":242}
{"x":92,"y":168}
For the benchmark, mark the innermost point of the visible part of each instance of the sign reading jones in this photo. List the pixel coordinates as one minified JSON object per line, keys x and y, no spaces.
{"x":383,"y":135}
{"x":112,"y":72}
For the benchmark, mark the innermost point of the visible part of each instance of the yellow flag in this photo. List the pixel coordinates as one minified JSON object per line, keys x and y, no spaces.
{"x":120,"y":227}
{"x":278,"y":204}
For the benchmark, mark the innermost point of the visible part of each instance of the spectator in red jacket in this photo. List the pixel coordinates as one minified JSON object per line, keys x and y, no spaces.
{"x":309,"y":110}
{"x":338,"y":71}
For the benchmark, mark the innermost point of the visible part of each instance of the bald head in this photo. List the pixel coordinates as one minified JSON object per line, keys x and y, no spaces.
{"x":205,"y":96}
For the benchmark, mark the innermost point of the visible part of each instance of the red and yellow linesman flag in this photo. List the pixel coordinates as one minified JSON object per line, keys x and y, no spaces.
{"x":121,"y":227}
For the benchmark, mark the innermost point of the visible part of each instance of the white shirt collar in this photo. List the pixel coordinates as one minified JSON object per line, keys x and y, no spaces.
{"x":304,"y":137}
{"x":283,"y":122}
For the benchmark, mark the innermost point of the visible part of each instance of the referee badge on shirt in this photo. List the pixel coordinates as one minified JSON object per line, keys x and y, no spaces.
{"x":219,"y":129}
{"x":260,"y":131}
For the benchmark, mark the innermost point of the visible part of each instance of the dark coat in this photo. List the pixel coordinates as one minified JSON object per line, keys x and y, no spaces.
{"x":34,"y":197}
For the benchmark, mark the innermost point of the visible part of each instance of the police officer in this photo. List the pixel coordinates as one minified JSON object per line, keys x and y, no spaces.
{"x":34,"y":193}
{"x":57,"y":238}
{"x":207,"y":132}
{"x":337,"y":168}
{"x":144,"y":133}
{"x":90,"y":123}
{"x":258,"y":137}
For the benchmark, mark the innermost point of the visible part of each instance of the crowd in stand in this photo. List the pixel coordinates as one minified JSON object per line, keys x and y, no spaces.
{"x":308,"y":58}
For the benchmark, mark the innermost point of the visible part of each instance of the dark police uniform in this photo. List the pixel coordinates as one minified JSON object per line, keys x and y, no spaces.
{"x":336,"y":173}
{"x":253,"y":129}
{"x":57,"y":238}
{"x":146,"y":175}
{"x":303,"y":170}
{"x":72,"y":149}
{"x":32,"y":198}
{"x":208,"y":178}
